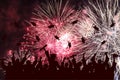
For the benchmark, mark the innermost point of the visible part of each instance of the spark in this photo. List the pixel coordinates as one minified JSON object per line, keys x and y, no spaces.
{"x":95,"y":29}
{"x":52,"y":25}
{"x":55,"y":11}
{"x":117,"y":69}
{"x":102,"y":14}
{"x":56,"y":24}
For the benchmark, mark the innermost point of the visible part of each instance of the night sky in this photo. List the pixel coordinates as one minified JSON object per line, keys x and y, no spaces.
{"x":13,"y":14}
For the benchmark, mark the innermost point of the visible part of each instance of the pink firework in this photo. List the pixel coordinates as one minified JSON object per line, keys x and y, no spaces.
{"x":52,"y":25}
{"x":60,"y":29}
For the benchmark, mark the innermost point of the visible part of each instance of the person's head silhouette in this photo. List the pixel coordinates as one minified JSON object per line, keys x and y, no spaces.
{"x":28,"y":62}
{"x":53,"y":56}
{"x":99,"y":61}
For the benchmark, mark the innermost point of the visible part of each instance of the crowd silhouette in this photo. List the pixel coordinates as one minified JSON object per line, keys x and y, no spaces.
{"x":67,"y":69}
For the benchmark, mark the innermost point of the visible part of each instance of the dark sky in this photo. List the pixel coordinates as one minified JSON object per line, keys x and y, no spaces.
{"x":13,"y":13}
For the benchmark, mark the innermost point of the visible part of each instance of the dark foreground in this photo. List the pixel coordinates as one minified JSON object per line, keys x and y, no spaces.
{"x":68,"y":69}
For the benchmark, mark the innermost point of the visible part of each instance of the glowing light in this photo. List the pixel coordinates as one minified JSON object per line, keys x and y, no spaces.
{"x":117,"y":70}
{"x":65,"y":37}
{"x":118,"y":62}
{"x":32,"y":58}
{"x":50,"y":46}
{"x":9,"y":52}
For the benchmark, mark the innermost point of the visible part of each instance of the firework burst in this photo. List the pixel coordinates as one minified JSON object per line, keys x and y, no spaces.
{"x":104,"y":14}
{"x":52,"y":25}
{"x":63,"y":29}
{"x":55,"y":12}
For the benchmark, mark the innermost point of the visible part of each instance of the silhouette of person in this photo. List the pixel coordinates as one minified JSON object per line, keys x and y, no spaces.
{"x":53,"y":64}
{"x":62,"y":65}
{"x":106,"y":65}
{"x":39,"y":65}
{"x":83,"y":60}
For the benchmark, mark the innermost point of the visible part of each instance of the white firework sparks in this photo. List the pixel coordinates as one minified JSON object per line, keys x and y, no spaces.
{"x":105,"y":15}
{"x":102,"y":14}
{"x":55,"y":11}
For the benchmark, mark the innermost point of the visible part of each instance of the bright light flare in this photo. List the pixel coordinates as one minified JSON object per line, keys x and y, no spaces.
{"x":62,"y":44}
{"x":10,"y":52}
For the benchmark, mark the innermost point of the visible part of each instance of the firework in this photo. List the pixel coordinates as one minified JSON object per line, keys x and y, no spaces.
{"x":55,"y":12}
{"x":104,"y":14}
{"x":64,"y":30}
{"x":52,"y":25}
{"x":95,"y":29}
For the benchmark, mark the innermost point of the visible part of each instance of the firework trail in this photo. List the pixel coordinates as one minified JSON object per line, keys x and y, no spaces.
{"x":105,"y":14}
{"x":55,"y":11}
{"x":63,"y":29}
{"x":52,"y":25}
{"x":59,"y":26}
